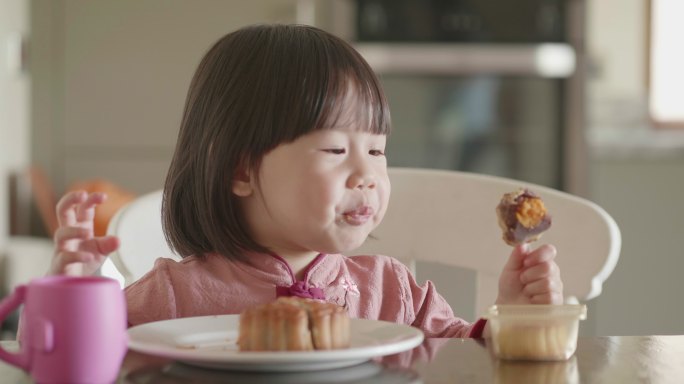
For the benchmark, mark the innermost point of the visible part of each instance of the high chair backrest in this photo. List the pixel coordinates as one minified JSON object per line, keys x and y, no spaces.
{"x":446,"y":217}
{"x":138,"y":225}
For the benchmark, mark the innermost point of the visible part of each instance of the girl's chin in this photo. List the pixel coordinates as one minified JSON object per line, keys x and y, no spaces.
{"x":351,"y":246}
{"x":343,"y":247}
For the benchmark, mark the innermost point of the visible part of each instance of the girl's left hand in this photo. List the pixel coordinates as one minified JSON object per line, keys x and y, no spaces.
{"x":531,"y":277}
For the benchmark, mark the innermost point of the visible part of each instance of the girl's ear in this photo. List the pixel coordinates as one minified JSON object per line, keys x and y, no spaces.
{"x":242,"y":182}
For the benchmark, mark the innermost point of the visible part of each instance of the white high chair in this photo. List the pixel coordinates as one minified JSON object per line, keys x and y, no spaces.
{"x":448,"y":217}
{"x":138,"y":225}
{"x":445,"y":217}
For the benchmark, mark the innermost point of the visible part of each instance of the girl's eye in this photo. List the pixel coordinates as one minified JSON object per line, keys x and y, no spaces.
{"x":376,"y":152}
{"x":335,"y":151}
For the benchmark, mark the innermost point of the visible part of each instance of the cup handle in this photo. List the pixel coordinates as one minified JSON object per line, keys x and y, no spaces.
{"x":7,"y":305}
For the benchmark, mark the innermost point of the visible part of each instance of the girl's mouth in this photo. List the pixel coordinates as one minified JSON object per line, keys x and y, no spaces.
{"x":358,"y":216}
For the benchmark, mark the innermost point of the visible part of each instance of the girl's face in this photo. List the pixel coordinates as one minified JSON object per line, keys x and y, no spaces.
{"x":324,"y":192}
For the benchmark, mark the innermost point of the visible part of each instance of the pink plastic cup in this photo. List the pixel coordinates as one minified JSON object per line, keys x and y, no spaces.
{"x":73,"y":329}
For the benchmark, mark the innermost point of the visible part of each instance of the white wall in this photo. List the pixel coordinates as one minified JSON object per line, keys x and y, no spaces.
{"x":14,"y":102}
{"x":637,"y":174}
{"x":644,"y":193}
{"x":616,"y":37}
{"x":112,"y":78}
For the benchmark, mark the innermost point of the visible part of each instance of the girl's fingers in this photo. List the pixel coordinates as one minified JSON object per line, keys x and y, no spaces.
{"x":75,"y":269}
{"x":543,"y":286}
{"x":95,"y":245}
{"x":542,"y":254}
{"x":548,"y":269}
{"x":531,"y":277}
{"x":66,"y":214}
{"x":100,"y":245}
{"x":547,"y":298}
{"x":86,"y":210}
{"x":69,"y":257}
{"x":517,"y":257}
{"x":77,"y":251}
{"x":80,"y":262}
{"x":64,"y":234}
{"x":78,"y":206}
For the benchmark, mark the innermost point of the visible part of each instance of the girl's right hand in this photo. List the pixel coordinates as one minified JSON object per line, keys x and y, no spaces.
{"x":78,"y":252}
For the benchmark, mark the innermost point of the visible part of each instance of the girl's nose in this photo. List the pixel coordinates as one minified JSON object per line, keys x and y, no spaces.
{"x":361,"y":179}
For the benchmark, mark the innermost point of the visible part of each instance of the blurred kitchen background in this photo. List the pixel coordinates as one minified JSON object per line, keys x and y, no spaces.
{"x":567,"y":94}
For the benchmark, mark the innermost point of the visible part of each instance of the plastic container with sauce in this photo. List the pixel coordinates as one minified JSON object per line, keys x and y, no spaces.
{"x":535,"y":332}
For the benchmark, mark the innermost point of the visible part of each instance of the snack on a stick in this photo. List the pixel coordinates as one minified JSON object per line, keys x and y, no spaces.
{"x":294,"y":324}
{"x":522,"y":217}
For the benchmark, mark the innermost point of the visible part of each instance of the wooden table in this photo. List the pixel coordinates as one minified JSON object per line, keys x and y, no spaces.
{"x":622,"y":359}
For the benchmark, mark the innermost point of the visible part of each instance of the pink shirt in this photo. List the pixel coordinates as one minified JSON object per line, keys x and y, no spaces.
{"x":370,"y":287}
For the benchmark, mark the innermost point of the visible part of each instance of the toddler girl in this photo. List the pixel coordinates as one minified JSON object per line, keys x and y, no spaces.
{"x":279,"y":167}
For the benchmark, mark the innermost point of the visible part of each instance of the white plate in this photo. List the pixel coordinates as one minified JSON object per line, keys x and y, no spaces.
{"x":210,"y":341}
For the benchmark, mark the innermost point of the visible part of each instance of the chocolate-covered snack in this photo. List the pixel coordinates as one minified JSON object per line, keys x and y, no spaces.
{"x":522,"y":217}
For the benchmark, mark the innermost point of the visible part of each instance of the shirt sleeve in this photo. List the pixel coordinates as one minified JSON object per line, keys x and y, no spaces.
{"x":429,"y":311}
{"x":477,"y":329}
{"x":151,"y":298}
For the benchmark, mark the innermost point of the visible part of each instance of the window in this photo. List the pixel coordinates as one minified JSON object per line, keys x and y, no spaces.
{"x":666,"y":63}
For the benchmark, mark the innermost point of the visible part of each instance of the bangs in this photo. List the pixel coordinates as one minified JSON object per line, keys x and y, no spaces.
{"x":297,"y":79}
{"x":354,"y":98}
{"x":317,"y":80}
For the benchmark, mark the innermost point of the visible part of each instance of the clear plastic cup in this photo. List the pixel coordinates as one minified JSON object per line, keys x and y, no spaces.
{"x":535,"y":332}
